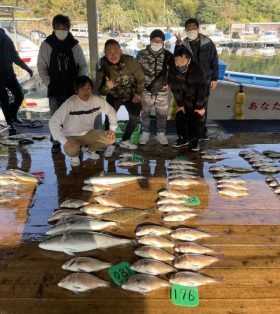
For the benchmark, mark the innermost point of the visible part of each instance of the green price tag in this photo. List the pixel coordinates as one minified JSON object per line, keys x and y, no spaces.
{"x":184,"y":296}
{"x":181,"y":158}
{"x":188,"y":201}
{"x":120,"y":273}
{"x":137,"y":158}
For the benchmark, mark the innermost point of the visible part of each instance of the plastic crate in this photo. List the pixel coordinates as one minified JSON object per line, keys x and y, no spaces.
{"x":134,"y":139}
{"x":222,"y":70}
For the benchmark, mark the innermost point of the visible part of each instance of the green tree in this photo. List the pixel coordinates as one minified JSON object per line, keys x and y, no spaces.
{"x":169,"y":19}
{"x":114,"y":17}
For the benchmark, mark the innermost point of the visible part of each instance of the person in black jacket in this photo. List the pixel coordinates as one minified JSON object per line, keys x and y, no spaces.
{"x":60,"y":61}
{"x":188,"y":85}
{"x":203,"y":51}
{"x":8,"y":80}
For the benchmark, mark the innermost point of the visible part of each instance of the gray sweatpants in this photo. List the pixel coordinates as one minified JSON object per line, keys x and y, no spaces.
{"x":160,"y":101}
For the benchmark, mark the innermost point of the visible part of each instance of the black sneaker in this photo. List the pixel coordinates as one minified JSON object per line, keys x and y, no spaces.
{"x":12,"y":130}
{"x":195,"y":145}
{"x":56,"y":148}
{"x":205,"y":136}
{"x":180,"y":142}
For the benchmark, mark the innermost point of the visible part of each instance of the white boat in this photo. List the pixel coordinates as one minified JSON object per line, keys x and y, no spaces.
{"x":269,"y":37}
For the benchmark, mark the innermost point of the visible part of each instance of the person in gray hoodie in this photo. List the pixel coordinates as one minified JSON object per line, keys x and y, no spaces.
{"x":60,"y":61}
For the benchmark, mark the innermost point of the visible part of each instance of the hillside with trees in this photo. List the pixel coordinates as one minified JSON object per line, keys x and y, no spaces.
{"x":128,"y":14}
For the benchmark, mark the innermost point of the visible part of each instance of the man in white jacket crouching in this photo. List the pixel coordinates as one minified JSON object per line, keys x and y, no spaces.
{"x":72,"y":124}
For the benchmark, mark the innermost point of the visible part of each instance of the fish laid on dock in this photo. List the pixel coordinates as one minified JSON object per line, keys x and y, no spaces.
{"x":193,"y":248}
{"x":194,"y":261}
{"x":85,"y":264}
{"x":152,"y":267}
{"x":142,"y":230}
{"x":80,"y":282}
{"x":112,"y":178}
{"x":144,"y":283}
{"x":73,"y":203}
{"x":189,"y":234}
{"x":192,"y":279}
{"x":154,"y":252}
{"x":155,"y":240}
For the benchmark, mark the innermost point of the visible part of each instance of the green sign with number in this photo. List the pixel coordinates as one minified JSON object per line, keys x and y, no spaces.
{"x":120,"y":273}
{"x":188,"y":201}
{"x":137,"y":158}
{"x":182,"y":158}
{"x":184,"y":296}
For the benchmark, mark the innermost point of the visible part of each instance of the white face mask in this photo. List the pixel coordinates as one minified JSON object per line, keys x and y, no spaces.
{"x":156,"y":46}
{"x":61,"y":34}
{"x":193,"y":34}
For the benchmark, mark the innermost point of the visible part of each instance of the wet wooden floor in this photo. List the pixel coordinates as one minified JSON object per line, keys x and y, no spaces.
{"x":245,"y":231}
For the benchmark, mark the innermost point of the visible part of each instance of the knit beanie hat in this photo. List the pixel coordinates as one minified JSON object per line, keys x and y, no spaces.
{"x":157,"y":33}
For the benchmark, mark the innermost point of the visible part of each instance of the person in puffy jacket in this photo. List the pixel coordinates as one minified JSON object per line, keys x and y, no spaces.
{"x":188,"y":85}
{"x":8,"y":80}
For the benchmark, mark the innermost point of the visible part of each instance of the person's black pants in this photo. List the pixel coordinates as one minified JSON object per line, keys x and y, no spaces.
{"x":133,"y":114}
{"x":10,"y":110}
{"x":190,"y":124}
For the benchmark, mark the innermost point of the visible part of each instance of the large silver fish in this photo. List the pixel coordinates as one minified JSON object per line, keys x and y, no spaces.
{"x":77,"y":241}
{"x":112,"y":178}
{"x":80,"y":282}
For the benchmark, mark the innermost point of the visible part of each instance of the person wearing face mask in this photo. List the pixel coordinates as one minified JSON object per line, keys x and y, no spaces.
{"x":204,"y":52}
{"x":188,"y":84}
{"x":121,"y":79}
{"x":155,"y":61}
{"x":8,"y":80}
{"x":60,"y":61}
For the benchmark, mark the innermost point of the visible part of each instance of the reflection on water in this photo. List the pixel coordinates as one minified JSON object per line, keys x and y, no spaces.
{"x":263,"y":61}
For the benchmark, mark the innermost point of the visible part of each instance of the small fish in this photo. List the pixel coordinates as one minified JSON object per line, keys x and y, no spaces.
{"x":151,"y":266}
{"x":210,"y":152}
{"x":193,"y":248}
{"x":85,"y":264}
{"x":77,"y":223}
{"x":231,"y":181}
{"x":219,"y":168}
{"x":275,"y":155}
{"x":112,"y":178}
{"x":178,"y":216}
{"x":154,"y":252}
{"x":232,"y":193}
{"x":184,"y":182}
{"x":194,"y":261}
{"x":96,"y":188}
{"x":97,"y":209}
{"x":273,"y":184}
{"x":245,"y":152}
{"x":259,"y":164}
{"x":241,"y":170}
{"x":191,"y":279}
{"x":231,"y":187}
{"x":144,"y":283}
{"x":58,"y":214}
{"x":126,"y":214}
{"x":169,"y":200}
{"x":180,"y":172}
{"x":223,"y":175}
{"x":129,"y":163}
{"x":180,"y":167}
{"x":260,"y":159}
{"x":80,"y":282}
{"x":107,"y":200}
{"x":73,"y":203}
{"x":182,"y":176}
{"x":189,"y":234}
{"x":151,"y":229}
{"x":181,"y":162}
{"x":155,"y":240}
{"x":269,"y":169}
{"x":213,"y":157}
{"x":129,"y":155}
{"x":22,"y":175}
{"x":175,"y":208}
{"x":172,"y":194}
{"x":269,"y":179}
{"x":277,"y":190}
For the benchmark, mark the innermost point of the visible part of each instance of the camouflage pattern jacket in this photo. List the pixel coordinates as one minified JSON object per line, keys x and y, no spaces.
{"x":155,"y":65}
{"x":127,"y":76}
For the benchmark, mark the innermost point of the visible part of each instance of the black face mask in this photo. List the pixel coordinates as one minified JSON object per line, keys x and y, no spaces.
{"x":183,"y":69}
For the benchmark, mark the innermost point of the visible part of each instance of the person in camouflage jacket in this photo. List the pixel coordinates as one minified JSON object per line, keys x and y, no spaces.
{"x":155,"y":61}
{"x":121,"y":79}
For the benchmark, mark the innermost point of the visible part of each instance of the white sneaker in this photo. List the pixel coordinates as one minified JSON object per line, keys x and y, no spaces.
{"x":127,"y":144}
{"x":92,"y":155}
{"x":84,"y":149}
{"x":162,"y":139}
{"x":144,"y":138}
{"x":109,"y":151}
{"x":75,"y":161}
